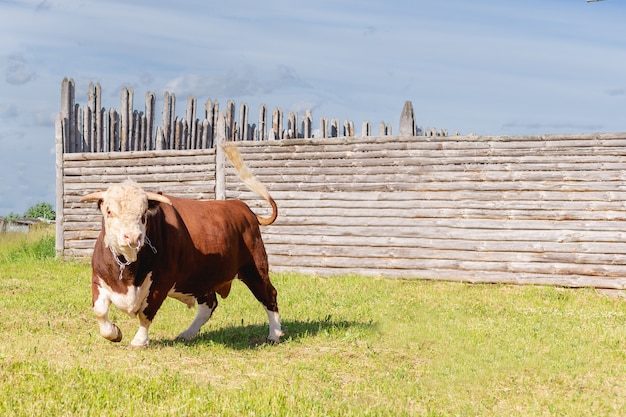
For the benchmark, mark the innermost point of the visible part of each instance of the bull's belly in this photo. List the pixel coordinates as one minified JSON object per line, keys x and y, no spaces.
{"x":133,"y":301}
{"x":187,"y":299}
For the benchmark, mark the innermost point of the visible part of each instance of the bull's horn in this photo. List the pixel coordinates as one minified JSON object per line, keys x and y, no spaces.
{"x":98,"y":195}
{"x":158,"y":197}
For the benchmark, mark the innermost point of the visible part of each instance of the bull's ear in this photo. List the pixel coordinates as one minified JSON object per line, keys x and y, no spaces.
{"x":153,"y":207}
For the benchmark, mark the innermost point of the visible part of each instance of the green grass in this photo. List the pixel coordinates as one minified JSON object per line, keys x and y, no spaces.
{"x":355,"y":346}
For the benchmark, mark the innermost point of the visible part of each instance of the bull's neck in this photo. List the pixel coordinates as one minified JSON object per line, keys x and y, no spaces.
{"x":121,"y":261}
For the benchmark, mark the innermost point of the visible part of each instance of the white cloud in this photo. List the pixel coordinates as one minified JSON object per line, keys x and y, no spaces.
{"x":234,"y":83}
{"x":17,"y":71}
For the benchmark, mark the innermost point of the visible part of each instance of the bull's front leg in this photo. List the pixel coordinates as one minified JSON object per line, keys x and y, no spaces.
{"x":153,"y":302}
{"x":101,"y":303}
{"x":141,"y":337}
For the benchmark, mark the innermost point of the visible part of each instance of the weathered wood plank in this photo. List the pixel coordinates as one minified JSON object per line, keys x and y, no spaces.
{"x":448,"y":186}
{"x":272,"y":235}
{"x":477,"y":224}
{"x":416,"y":174}
{"x":491,"y":197}
{"x":553,"y":268}
{"x":562,"y":213}
{"x":181,"y":177}
{"x":453,"y":164}
{"x":436,"y":231}
{"x":443,"y":145}
{"x":516,"y":278}
{"x":455,"y":207}
{"x":113,"y":157}
{"x":391,"y":252}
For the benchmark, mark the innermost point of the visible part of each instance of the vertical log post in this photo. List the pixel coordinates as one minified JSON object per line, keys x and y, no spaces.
{"x":60,"y":192}
{"x":348,"y":128}
{"x":160,"y":140}
{"x":102,"y":130}
{"x":407,"y":120}
{"x":67,"y":114}
{"x":136,"y":130}
{"x":207,"y":132}
{"x":98,"y":119}
{"x":124,"y":120}
{"x":86,"y":129}
{"x":262,"y":123}
{"x":216,"y":114}
{"x":277,"y":123}
{"x":382,"y":129}
{"x":145,"y":145}
{"x":230,"y":120}
{"x":307,"y":122}
{"x":190,"y":132}
{"x":366,"y":129}
{"x":334,"y":128}
{"x":178,"y":132}
{"x":243,"y":122}
{"x":292,"y":126}
{"x":220,"y":159}
{"x":209,"y":129}
{"x":150,"y":117}
{"x":323,"y":127}
{"x":91,"y":105}
{"x":165,"y":124}
{"x":114,"y":130}
{"x":80,"y":134}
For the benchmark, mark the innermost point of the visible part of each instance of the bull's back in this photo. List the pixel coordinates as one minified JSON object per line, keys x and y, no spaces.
{"x":214,"y":226}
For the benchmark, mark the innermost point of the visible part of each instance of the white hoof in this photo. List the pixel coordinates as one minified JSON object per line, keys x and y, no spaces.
{"x":186,"y":335}
{"x":138,"y":344}
{"x":141,"y":338}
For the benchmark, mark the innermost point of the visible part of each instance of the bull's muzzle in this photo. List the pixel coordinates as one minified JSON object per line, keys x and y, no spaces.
{"x":133,"y":240}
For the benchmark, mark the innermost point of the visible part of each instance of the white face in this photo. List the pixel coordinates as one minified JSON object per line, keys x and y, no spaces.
{"x":125,"y":210}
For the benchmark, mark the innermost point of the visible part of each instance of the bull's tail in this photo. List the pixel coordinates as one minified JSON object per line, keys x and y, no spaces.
{"x":250,"y":180}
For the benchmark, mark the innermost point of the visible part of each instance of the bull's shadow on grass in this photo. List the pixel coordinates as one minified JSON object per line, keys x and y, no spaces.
{"x":254,"y":335}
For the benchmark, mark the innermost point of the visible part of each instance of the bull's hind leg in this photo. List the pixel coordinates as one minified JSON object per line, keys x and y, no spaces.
{"x":206,"y":307}
{"x":265,"y":292}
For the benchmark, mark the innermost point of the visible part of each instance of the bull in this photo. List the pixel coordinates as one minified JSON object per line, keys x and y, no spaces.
{"x":152,"y":246}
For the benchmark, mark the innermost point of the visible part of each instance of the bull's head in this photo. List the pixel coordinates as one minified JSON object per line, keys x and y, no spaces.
{"x":125,"y":208}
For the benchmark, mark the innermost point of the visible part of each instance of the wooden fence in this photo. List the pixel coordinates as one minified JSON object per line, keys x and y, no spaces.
{"x":537,"y":209}
{"x":90,"y":128}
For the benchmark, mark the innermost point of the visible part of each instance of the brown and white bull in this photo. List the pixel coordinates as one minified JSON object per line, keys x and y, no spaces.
{"x":152,"y":246}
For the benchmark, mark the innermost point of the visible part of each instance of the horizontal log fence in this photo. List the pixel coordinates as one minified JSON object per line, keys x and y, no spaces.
{"x":525,"y":210}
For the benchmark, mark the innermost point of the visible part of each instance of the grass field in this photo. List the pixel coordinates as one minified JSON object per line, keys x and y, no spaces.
{"x":355,"y":346}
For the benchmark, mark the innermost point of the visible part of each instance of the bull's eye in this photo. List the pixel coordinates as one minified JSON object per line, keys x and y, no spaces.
{"x":143,"y":219}
{"x":109,"y":214}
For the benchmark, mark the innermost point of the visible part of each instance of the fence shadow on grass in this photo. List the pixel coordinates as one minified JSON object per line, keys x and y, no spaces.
{"x":254,"y":335}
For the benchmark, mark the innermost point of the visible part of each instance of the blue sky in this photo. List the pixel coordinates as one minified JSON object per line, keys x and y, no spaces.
{"x":484,"y":66}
